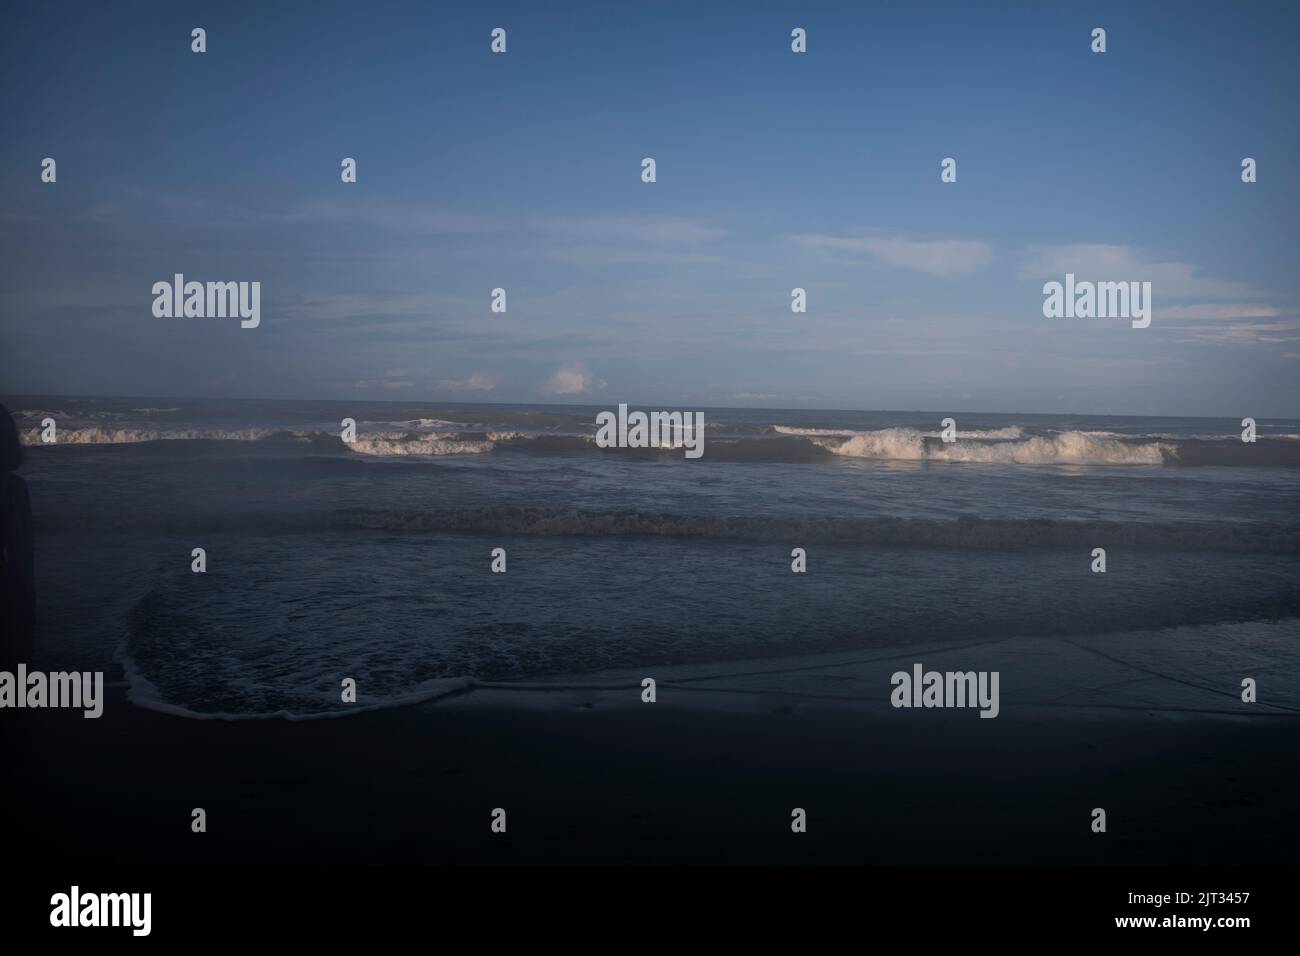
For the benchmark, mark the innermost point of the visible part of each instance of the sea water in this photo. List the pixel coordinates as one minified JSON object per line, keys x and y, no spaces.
{"x":372,"y":559}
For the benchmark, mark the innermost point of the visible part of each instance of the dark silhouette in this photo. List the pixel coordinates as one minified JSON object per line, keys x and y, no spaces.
{"x":17,"y":547}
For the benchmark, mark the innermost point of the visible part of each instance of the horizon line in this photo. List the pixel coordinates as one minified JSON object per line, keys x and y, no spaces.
{"x":630,"y":404}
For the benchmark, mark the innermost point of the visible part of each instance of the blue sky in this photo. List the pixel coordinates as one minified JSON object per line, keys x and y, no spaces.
{"x":775,"y":170}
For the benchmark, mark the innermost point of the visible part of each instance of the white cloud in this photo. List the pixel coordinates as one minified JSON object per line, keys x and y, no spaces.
{"x":1256,"y":333}
{"x":572,"y":379}
{"x":1220,"y":312}
{"x":477,"y":382}
{"x":383,"y":383}
{"x":938,"y":257}
{"x":1098,"y":262}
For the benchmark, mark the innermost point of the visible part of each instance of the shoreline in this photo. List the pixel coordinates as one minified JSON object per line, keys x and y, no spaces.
{"x":1077,"y":675}
{"x":592,"y":775}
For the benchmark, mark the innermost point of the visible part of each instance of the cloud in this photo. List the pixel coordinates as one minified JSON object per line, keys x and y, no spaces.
{"x":1098,"y":262}
{"x":383,"y":383}
{"x":572,"y":379}
{"x":1253,"y":333}
{"x":477,"y":382}
{"x":761,"y":396}
{"x":1234,"y":323}
{"x":1220,"y":313}
{"x":938,"y":257}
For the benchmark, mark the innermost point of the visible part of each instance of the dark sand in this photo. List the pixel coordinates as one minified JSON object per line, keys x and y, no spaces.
{"x":603,"y":778}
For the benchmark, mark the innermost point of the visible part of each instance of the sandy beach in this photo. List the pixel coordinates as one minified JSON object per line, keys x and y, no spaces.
{"x":709,"y":773}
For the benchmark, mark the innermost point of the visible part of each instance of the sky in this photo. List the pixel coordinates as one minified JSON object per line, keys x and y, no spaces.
{"x":774,"y":170}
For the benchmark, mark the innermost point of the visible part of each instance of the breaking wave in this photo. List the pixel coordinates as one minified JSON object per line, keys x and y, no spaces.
{"x":1014,"y":445}
{"x":96,"y":435}
{"x":429,"y":446}
{"x":1014,"y":431}
{"x":281,"y":682}
{"x":1073,"y":448}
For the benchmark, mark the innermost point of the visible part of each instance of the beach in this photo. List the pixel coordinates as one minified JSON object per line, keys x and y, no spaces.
{"x":836,"y":468}
{"x":357,"y":652}
{"x":709,"y":773}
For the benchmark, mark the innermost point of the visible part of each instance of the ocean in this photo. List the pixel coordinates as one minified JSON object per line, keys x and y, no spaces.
{"x":372,"y":559}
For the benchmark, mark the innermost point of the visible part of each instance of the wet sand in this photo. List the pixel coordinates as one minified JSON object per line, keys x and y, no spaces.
{"x":709,"y":773}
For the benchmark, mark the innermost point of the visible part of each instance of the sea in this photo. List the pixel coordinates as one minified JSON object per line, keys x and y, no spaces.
{"x":373,"y":559}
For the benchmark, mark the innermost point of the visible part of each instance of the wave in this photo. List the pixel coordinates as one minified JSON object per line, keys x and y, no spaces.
{"x":994,"y":446}
{"x":1014,"y":534}
{"x":143,"y":693}
{"x":1014,"y":445}
{"x":218,"y":654}
{"x":1218,"y":436}
{"x":425,"y":446}
{"x":207,"y":690}
{"x":1012,"y":432}
{"x":386,"y":443}
{"x":433,"y":423}
{"x":129,"y":436}
{"x":1074,"y":448}
{"x":965,"y":532}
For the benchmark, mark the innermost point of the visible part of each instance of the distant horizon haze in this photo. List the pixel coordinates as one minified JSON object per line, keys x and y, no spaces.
{"x":634,"y":403}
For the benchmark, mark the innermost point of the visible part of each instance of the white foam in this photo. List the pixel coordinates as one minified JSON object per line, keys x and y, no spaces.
{"x":144,"y":694}
{"x":390,"y":446}
{"x":434,"y":423}
{"x":124,"y":436}
{"x":992,"y":434}
{"x":905,"y":444}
